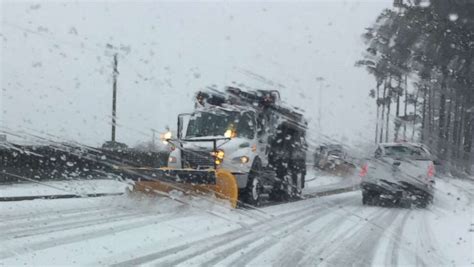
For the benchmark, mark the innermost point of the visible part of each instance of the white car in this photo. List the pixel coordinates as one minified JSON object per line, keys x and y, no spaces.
{"x":399,"y":174}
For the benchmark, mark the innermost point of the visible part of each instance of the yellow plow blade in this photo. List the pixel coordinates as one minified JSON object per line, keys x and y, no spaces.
{"x":225,"y":186}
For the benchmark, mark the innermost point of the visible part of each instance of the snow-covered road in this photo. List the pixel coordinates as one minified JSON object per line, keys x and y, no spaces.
{"x":333,"y":230}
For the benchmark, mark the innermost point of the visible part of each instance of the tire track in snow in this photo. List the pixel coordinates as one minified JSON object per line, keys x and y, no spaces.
{"x":295,"y":256}
{"x":391,"y":259}
{"x":115,"y":214}
{"x":284,"y":232}
{"x":211,"y":243}
{"x":335,"y":238}
{"x":430,"y":244}
{"x":76,"y":220}
{"x":204,"y":245}
{"x":358,"y":246}
{"x":243,"y":240}
{"x":43,"y":220}
{"x":60,"y":226}
{"x":255,"y":252}
{"x":87,"y":235}
{"x":38,"y":215}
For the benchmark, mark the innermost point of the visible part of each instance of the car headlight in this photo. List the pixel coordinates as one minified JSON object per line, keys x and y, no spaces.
{"x":172,"y":159}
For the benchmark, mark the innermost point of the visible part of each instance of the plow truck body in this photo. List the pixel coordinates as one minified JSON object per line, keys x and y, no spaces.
{"x":242,"y":146}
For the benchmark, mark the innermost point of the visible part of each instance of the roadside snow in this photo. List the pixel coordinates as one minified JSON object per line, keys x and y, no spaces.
{"x":325,"y":180}
{"x":78,"y":187}
{"x":317,"y":182}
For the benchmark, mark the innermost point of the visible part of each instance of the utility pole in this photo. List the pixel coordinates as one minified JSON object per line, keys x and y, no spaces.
{"x":114,"y":97}
{"x":153,"y":138}
{"x":320,"y":80}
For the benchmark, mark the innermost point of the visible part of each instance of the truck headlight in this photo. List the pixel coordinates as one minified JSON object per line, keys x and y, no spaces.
{"x":244,"y":159}
{"x":219,"y":154}
{"x":241,"y":160}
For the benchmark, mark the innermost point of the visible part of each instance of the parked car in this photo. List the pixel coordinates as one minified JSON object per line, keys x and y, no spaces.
{"x":333,"y":158}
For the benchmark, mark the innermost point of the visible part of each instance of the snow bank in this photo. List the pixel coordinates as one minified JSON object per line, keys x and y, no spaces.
{"x":78,"y":187}
{"x":317,"y":182}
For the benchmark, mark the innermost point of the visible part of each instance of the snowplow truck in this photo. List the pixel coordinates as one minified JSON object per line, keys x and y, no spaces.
{"x":243,"y":146}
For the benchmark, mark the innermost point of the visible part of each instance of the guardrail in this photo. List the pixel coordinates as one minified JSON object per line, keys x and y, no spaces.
{"x":63,"y":163}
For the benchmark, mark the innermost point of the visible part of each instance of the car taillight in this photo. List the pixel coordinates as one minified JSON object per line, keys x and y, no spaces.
{"x":364,"y":170}
{"x":431,"y":170}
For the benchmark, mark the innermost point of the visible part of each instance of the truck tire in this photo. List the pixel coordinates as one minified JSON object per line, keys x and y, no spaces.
{"x":299,"y":185}
{"x":252,"y":193}
{"x":369,"y":198}
{"x":297,"y":173}
{"x":294,"y":186}
{"x":424,"y":201}
{"x":290,"y":187}
{"x":365,"y":198}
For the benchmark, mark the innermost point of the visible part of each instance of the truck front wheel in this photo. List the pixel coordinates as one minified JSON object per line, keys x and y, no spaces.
{"x":299,"y":185}
{"x":295,"y":183}
{"x":252,"y":193}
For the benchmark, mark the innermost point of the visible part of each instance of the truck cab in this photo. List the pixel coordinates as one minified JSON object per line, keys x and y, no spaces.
{"x":236,"y":136}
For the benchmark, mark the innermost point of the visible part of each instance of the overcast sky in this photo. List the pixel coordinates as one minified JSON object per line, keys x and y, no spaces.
{"x":56,"y":69}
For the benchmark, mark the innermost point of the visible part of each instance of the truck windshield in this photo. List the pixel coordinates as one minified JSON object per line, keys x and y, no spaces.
{"x":206,"y":124}
{"x":410,"y":152}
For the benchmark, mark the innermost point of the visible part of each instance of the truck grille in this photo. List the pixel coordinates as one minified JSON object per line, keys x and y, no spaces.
{"x":197,"y":159}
